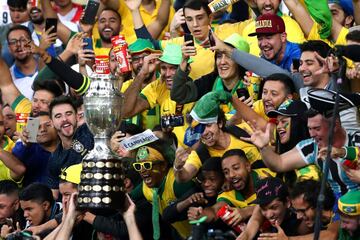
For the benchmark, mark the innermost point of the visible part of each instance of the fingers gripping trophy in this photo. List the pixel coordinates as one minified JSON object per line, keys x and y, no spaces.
{"x":101,"y":186}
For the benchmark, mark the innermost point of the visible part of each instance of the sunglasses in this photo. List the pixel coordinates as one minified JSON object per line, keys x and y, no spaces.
{"x":146,"y":165}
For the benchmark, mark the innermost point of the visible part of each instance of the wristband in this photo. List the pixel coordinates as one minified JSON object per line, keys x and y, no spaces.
{"x":351,"y":153}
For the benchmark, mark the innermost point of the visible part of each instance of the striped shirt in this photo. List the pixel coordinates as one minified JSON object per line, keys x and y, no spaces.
{"x":337,"y":177}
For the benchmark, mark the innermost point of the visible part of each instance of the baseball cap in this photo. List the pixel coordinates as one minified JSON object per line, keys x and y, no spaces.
{"x":289,"y":108}
{"x":268,"y":189}
{"x":268,"y":24}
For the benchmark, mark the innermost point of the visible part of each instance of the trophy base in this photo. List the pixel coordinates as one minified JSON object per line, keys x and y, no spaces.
{"x":101,"y":185}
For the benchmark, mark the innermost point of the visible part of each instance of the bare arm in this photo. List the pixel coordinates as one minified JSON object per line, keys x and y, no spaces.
{"x":301,"y":15}
{"x":17,"y":168}
{"x":7,"y":86}
{"x":356,"y":5}
{"x":253,"y":225}
{"x":133,"y":102}
{"x":62,"y":31}
{"x":331,"y":233}
{"x":114,"y":4}
{"x":183,"y":171}
{"x":54,"y":233}
{"x":129,"y":217}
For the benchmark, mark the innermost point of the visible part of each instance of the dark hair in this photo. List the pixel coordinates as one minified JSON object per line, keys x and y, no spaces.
{"x":18,"y":27}
{"x":311,"y":112}
{"x":20,"y":4}
{"x":37,"y":192}
{"x":130,"y":128}
{"x":43,"y":113}
{"x":318,"y":46}
{"x":234,"y":152}
{"x":49,"y":85}
{"x":353,"y":36}
{"x":61,"y":100}
{"x":279,"y":77}
{"x":78,"y":101}
{"x":114,"y":11}
{"x":8,"y":187}
{"x":197,"y":5}
{"x":310,"y":190}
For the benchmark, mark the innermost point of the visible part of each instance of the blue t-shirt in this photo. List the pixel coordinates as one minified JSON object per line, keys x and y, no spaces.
{"x":292,"y":51}
{"x":35,"y":158}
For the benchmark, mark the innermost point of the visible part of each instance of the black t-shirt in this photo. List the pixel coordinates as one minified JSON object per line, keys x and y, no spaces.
{"x":83,"y":142}
{"x":290,"y":225}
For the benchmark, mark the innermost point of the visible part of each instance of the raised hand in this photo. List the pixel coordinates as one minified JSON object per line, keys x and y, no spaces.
{"x":258,"y":137}
{"x":47,"y":38}
{"x":177,"y":20}
{"x":75,"y":43}
{"x":150,"y":63}
{"x":197,"y":198}
{"x":180,"y":158}
{"x":133,"y":4}
{"x":220,"y":46}
{"x":280,"y":235}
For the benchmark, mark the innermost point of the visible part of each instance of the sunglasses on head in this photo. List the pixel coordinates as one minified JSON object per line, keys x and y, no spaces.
{"x":146,"y":165}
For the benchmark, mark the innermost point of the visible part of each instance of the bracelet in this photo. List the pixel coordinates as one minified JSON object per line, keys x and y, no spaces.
{"x":351,"y":153}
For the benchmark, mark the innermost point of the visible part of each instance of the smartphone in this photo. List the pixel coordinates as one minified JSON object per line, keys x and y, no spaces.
{"x":51,"y":22}
{"x":243,"y":92}
{"x":211,"y":39}
{"x":32,"y":127}
{"x":89,"y":43}
{"x":90,"y":12}
{"x":296,"y":64}
{"x":189,"y":37}
{"x":172,"y":121}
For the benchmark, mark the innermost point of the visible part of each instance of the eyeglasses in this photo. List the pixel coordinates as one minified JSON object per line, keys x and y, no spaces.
{"x":22,"y":41}
{"x":136,"y":59}
{"x":146,"y":165}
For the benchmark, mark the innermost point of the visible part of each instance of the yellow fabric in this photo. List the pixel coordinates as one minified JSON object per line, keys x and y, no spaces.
{"x":252,"y":153}
{"x":98,"y":50}
{"x":127,"y":21}
{"x":72,"y":173}
{"x":314,"y":35}
{"x":259,"y":108}
{"x":148,"y":121}
{"x":204,"y":61}
{"x":21,"y":105}
{"x":5,"y":171}
{"x":156,"y":93}
{"x":225,"y":30}
{"x":307,"y":173}
{"x":293,"y":30}
{"x":230,"y":196}
{"x":168,"y":196}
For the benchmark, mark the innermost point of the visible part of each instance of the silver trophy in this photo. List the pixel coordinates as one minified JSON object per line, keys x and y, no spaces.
{"x":101,"y":185}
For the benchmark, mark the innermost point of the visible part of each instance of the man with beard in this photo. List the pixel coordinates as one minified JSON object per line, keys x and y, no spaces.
{"x":10,"y":167}
{"x":215,"y":137}
{"x":25,"y":68}
{"x":141,"y":48}
{"x":158,"y":92}
{"x":272,"y":40}
{"x":75,"y":141}
{"x":35,"y":156}
{"x":242,"y":180}
{"x":349,"y":209}
{"x":9,"y":122}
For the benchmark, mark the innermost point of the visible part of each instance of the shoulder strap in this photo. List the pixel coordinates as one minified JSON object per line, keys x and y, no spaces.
{"x":236,"y":131}
{"x":202,"y":152}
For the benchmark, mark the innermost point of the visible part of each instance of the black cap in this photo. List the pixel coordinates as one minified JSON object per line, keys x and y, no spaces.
{"x":289,"y":108}
{"x":323,"y":100}
{"x":268,"y":189}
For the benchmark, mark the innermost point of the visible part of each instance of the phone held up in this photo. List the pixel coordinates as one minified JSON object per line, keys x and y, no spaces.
{"x":51,"y":22}
{"x":189,"y":37}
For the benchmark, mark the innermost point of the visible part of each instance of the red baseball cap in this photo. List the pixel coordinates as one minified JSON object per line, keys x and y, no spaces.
{"x":268,"y":24}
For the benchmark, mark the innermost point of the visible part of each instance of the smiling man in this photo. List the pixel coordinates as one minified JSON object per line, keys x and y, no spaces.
{"x":75,"y":141}
{"x":159,"y":186}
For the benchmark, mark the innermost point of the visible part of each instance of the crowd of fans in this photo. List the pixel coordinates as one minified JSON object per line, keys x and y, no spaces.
{"x":241,"y":101}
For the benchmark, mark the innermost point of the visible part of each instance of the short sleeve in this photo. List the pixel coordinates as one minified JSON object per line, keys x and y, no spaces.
{"x":307,"y":151}
{"x":194,"y":160}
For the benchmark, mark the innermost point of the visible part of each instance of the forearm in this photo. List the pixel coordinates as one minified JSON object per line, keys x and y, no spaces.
{"x":301,"y":15}
{"x":114,"y":4}
{"x":254,"y":223}
{"x":54,"y":233}
{"x":331,"y":233}
{"x":182,"y":175}
{"x":134,"y":233}
{"x":162,"y":18}
{"x":356,"y":5}
{"x":184,"y":89}
{"x":131,"y":95}
{"x":66,"y":230}
{"x":66,"y":55}
{"x":247,"y":113}
{"x":17,"y":168}
{"x":257,"y":65}
{"x":47,"y":10}
{"x":142,"y":32}
{"x":271,"y":159}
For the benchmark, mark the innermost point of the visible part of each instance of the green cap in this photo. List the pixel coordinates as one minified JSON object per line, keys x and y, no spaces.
{"x":142,"y":45}
{"x":172,"y":54}
{"x":238,"y":42}
{"x":207,"y":108}
{"x":349,"y":203}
